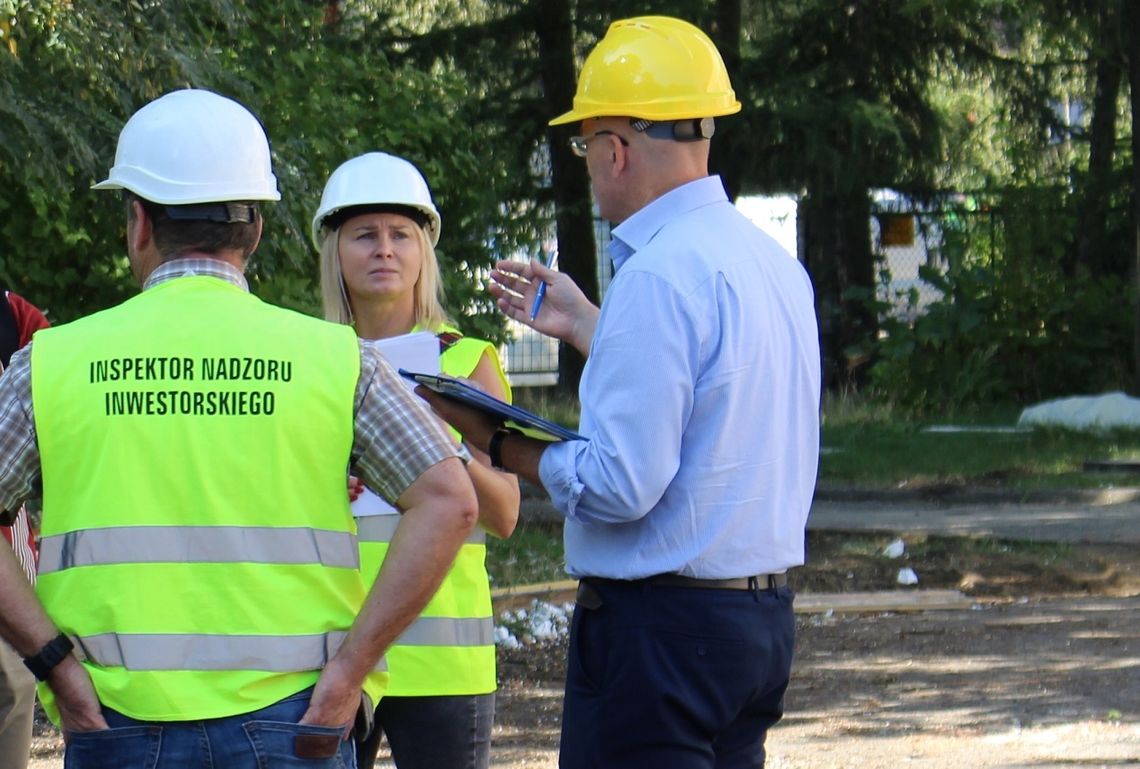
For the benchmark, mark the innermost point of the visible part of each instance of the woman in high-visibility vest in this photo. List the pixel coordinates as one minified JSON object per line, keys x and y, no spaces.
{"x":376,"y":230}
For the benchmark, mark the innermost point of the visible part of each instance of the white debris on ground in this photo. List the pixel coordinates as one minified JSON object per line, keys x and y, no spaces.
{"x":907,"y":576}
{"x":895,"y":549}
{"x":1085,"y":412}
{"x":542,"y":621}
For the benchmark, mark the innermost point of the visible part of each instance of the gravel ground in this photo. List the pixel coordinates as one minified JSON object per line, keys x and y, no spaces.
{"x":1043,"y":671}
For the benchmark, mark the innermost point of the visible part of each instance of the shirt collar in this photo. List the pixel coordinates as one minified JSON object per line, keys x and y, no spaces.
{"x":638,"y":230}
{"x":196,"y":265}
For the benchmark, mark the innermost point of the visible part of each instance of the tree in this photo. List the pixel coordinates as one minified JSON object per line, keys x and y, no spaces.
{"x":1108,"y":65}
{"x":69,"y":73}
{"x":72,"y":72}
{"x":837,"y":102}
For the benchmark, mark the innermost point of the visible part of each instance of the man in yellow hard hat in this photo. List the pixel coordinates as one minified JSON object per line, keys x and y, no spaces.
{"x":200,"y":598}
{"x":686,"y":502}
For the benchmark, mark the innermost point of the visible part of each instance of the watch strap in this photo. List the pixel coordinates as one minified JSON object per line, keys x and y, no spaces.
{"x":53,"y":652}
{"x":495,"y":447}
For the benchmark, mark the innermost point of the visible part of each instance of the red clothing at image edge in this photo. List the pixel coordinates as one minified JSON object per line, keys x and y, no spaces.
{"x":29,"y":320}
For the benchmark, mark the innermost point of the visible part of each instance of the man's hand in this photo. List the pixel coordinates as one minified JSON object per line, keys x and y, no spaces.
{"x":335,"y":699}
{"x":566,"y":313}
{"x":79,"y":708}
{"x":355,"y":488}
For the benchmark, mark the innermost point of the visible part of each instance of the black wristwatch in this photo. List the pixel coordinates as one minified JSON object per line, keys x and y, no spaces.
{"x":53,"y":653}
{"x":495,"y":447}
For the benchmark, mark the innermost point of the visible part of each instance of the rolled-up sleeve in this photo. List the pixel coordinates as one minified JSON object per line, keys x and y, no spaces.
{"x":396,"y":436}
{"x":19,"y":453}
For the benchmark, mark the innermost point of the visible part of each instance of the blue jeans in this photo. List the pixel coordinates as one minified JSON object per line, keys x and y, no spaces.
{"x":677,"y":677}
{"x":445,"y":732}
{"x":269,"y":738}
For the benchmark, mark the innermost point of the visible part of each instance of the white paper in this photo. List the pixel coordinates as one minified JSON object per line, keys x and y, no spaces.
{"x":371,"y":504}
{"x":412,"y":352}
{"x":417,"y":352}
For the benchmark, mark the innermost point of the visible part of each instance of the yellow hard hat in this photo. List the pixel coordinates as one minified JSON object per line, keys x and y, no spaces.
{"x":652,"y":67}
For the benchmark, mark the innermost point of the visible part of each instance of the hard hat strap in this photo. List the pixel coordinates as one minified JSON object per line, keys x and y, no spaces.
{"x":335,"y":219}
{"x":687,"y":130}
{"x":222,"y":213}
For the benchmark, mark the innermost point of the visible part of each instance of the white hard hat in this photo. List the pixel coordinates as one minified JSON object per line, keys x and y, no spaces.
{"x":193,"y":146}
{"x":376,"y":180}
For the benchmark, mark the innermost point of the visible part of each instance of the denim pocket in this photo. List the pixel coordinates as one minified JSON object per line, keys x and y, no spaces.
{"x":135,"y":746}
{"x":281,"y":745}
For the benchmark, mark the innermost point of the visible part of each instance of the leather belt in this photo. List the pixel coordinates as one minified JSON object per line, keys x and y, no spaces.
{"x":757,"y":582}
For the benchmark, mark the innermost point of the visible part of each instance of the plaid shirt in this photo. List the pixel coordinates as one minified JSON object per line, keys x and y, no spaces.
{"x":395,"y":437}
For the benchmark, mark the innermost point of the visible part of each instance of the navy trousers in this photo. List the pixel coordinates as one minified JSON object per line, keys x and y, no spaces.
{"x":678,"y":677}
{"x":444,"y":732}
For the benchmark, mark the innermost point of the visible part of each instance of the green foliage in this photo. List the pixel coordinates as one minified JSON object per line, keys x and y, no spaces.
{"x":71,"y":73}
{"x":836,"y":92}
{"x":1010,"y":325}
{"x":533,"y":553}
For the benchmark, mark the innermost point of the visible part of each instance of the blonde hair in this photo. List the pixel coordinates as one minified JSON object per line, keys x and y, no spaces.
{"x":428,"y":300}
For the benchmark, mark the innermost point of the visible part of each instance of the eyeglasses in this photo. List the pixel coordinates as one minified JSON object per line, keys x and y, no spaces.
{"x":579,"y":144}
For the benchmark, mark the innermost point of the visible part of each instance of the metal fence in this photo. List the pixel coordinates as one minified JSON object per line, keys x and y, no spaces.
{"x":907,"y":235}
{"x":531,"y":359}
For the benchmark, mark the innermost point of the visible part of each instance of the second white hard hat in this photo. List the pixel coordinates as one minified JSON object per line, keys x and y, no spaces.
{"x":376,"y":179}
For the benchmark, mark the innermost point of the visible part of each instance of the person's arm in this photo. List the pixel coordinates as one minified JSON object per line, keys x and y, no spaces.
{"x":566,"y":313}
{"x":497,"y":491}
{"x":23,"y":622}
{"x":637,"y":398}
{"x":27,"y":628}
{"x":401,"y":451}
{"x":440,"y":510}
{"x":520,"y":454}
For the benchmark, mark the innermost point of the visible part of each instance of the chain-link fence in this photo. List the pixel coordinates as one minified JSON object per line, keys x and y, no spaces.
{"x":907,"y":235}
{"x":531,"y":359}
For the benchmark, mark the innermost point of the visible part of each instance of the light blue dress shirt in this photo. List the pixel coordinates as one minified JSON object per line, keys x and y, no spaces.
{"x":700,"y":402}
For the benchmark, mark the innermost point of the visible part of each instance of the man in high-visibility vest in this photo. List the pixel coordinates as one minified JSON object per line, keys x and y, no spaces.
{"x":199,"y":596}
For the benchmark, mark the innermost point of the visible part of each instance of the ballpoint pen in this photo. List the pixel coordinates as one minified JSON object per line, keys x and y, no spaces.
{"x":534,"y":308}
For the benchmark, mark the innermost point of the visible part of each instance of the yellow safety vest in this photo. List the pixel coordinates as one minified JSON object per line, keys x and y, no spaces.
{"x":197,"y":544}
{"x":450,"y":648}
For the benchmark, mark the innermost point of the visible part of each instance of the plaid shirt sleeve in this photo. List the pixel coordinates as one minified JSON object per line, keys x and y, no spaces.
{"x":19,"y":452}
{"x":397,"y":437}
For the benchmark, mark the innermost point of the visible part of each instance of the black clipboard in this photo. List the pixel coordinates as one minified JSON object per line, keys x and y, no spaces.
{"x":525,"y":421}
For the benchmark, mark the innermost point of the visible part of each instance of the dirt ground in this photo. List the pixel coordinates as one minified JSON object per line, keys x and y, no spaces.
{"x":1042,"y":671}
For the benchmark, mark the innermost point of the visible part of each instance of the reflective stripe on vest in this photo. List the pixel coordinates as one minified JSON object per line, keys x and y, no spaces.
{"x":197,"y":544}
{"x":170,"y":651}
{"x":381,"y":528}
{"x":447,"y":631}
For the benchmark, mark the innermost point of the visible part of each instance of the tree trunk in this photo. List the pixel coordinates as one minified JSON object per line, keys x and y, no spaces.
{"x":835,"y":243}
{"x":1091,"y":230}
{"x":577,"y":251}
{"x":730,"y":141}
{"x":1131,"y":33}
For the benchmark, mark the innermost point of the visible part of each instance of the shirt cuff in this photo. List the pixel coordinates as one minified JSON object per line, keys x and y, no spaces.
{"x":556,"y":470}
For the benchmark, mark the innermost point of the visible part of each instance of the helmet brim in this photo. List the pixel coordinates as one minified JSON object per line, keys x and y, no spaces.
{"x":655,"y":112}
